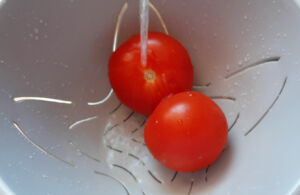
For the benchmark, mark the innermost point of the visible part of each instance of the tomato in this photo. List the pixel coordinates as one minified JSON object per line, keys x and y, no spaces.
{"x":168,"y":71}
{"x":186,"y":132}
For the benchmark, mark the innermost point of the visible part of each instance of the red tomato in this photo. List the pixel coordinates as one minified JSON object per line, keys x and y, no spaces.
{"x":186,"y":132}
{"x":168,"y":71}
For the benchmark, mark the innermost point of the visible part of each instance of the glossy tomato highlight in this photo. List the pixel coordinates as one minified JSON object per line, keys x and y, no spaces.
{"x":168,"y":71}
{"x":186,"y":132}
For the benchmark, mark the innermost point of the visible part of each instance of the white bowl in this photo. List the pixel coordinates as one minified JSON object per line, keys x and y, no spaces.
{"x":246,"y":56}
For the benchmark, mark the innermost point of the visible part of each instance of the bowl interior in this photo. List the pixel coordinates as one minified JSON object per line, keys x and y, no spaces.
{"x":245,"y":56}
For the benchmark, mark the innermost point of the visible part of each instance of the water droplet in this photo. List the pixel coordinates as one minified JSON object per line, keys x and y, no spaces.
{"x":180,"y":123}
{"x":44,"y":176}
{"x":227,"y":67}
{"x":244,"y":94}
{"x":78,"y":153}
{"x":36,"y":30}
{"x":156,"y":121}
{"x":36,"y":38}
{"x":195,"y":46}
{"x":245,"y":17}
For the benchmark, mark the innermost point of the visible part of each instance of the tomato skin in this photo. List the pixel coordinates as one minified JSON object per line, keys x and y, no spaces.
{"x":168,"y":71}
{"x":186,"y":132}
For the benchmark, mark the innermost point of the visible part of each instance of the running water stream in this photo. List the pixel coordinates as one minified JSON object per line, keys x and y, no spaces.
{"x":144,"y":23}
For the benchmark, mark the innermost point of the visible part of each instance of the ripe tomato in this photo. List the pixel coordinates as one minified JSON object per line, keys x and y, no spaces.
{"x":186,"y":132}
{"x":168,"y":71}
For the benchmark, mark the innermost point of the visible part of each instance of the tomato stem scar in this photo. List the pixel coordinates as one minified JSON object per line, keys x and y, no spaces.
{"x":149,"y":75}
